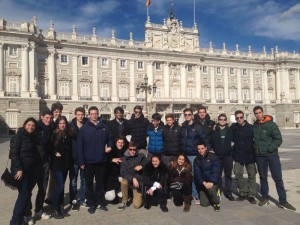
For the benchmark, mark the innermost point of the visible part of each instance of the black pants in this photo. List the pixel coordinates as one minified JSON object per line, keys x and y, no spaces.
{"x":97,"y":171}
{"x":42,"y":183}
{"x":179,"y":194}
{"x":226,"y":165}
{"x":158,"y":197}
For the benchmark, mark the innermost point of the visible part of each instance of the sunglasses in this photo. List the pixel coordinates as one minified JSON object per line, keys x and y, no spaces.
{"x":222,"y":119}
{"x":188,"y":114}
{"x":137,"y":112}
{"x":239,"y":118}
{"x":132,"y":149}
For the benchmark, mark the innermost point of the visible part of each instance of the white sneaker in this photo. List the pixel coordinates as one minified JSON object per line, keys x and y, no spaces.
{"x":42,"y":215}
{"x":28,"y":220}
{"x":196,"y":201}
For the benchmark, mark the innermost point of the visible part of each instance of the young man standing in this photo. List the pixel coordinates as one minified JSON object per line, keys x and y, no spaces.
{"x":93,"y":144}
{"x":75,"y":125}
{"x":267,"y":140}
{"x":191,"y":133}
{"x":221,"y":144}
{"x":243,"y":156}
{"x":154,"y":132}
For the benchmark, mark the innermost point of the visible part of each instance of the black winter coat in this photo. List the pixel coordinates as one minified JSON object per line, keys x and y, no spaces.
{"x":152,"y":174}
{"x":243,"y":148}
{"x":117,"y":129}
{"x":138,"y":130}
{"x":207,"y":125}
{"x":23,"y":151}
{"x":63,"y":146}
{"x":190,"y":135}
{"x":207,"y":168}
{"x":217,"y":144}
{"x":75,"y":131}
{"x":171,"y":140}
{"x":45,"y":141}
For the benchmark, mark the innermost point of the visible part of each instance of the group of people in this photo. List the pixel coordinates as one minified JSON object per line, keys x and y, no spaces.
{"x":140,"y":161}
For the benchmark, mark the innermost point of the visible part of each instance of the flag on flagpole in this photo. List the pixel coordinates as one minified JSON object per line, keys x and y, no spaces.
{"x":148,"y":2}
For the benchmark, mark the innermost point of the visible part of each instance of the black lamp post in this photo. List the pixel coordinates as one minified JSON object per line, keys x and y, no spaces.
{"x":147,"y":88}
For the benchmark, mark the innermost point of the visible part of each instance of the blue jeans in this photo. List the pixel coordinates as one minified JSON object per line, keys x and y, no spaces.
{"x":73,"y":174}
{"x":23,"y":203}
{"x":273,"y":162}
{"x":60,"y":178}
{"x":195,"y":193}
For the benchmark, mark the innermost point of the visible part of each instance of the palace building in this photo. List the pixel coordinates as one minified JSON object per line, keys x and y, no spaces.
{"x":39,"y":67}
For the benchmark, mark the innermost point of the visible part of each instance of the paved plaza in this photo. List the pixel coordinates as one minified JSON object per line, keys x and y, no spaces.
{"x":242,"y":213}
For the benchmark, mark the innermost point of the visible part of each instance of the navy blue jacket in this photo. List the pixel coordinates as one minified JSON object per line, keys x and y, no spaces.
{"x":243,"y":148}
{"x":45,"y":141}
{"x":171,"y":139}
{"x":138,"y":130}
{"x":91,"y":142}
{"x":207,"y":168}
{"x":190,"y":135}
{"x":155,"y":144}
{"x":222,"y":150}
{"x":75,"y":131}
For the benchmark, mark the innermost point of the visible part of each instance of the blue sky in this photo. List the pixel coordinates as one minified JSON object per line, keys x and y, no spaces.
{"x":245,"y":22}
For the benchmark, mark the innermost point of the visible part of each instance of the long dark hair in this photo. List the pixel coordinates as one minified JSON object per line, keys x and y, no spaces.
{"x":58,"y":133}
{"x":30,"y":119}
{"x":174,"y":164}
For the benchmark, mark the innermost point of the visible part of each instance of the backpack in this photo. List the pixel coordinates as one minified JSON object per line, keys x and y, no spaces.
{"x":11,"y":143}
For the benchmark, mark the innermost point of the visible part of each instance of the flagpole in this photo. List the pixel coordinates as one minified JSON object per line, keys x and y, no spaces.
{"x":194,"y":12}
{"x":147,"y":12}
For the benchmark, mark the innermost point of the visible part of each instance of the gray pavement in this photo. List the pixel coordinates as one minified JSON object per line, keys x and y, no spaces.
{"x":230,"y":213}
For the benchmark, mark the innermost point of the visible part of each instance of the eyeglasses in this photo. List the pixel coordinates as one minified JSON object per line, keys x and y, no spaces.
{"x":132,"y":149}
{"x":222,"y":119}
{"x":239,"y":118}
{"x":137,"y":112}
{"x":188,"y":114}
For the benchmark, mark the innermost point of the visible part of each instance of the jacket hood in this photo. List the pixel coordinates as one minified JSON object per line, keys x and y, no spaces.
{"x":266,"y":119}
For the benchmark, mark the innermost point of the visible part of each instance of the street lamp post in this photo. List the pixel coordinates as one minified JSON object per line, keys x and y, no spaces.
{"x":147,"y":88}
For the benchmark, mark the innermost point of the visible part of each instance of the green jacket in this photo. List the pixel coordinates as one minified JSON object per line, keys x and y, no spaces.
{"x":267,"y":137}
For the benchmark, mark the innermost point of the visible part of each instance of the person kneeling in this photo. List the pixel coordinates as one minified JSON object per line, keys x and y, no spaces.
{"x":154,"y":178}
{"x":132,"y":175}
{"x":180,"y":179}
{"x":207,"y":175}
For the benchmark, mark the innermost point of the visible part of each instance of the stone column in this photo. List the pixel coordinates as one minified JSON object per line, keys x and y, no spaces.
{"x":297,"y":80}
{"x":265,"y":90}
{"x":183,"y":80}
{"x":33,"y":70}
{"x":239,"y":85}
{"x":251,"y":86}
{"x":75,"y":77}
{"x":25,"y":72}
{"x":198,"y":82}
{"x":278,"y":85}
{"x":51,"y":74}
{"x":95,"y":79}
{"x":166,"y":80}
{"x":2,"y":70}
{"x":212,"y":85}
{"x":150,"y":77}
{"x":132,"y":86}
{"x":286,"y":82}
{"x":114,"y":95}
{"x":226,"y":93}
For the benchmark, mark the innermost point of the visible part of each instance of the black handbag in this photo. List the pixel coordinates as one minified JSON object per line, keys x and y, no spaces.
{"x":176,"y":186}
{"x":9,"y":180}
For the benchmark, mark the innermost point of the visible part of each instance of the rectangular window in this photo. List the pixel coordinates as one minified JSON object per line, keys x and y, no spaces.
{"x":257,"y":74}
{"x":123,"y":64}
{"x":13,"y":51}
{"x":85,"y":60}
{"x":231,"y":71}
{"x":244,"y":72}
{"x":204,"y":69}
{"x":190,"y":68}
{"x":140,"y":65}
{"x":104,"y":62}
{"x":157,"y":66}
{"x":64,"y":59}
{"x":218,"y":70}
{"x":12,"y":119}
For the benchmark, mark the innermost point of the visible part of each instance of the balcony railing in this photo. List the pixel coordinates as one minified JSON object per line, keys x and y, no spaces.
{"x":220,"y":101}
{"x":295,"y":101}
{"x":85,"y":98}
{"x":258,"y":101}
{"x":233,"y":101}
{"x":246,"y":101}
{"x":105,"y":98}
{"x":64,"y":97}
{"x":140,"y":99}
{"x":13,"y":94}
{"x":123,"y":99}
{"x":272,"y":101}
{"x":207,"y":100}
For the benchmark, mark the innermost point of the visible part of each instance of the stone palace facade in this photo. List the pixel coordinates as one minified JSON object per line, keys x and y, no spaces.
{"x":39,"y":67}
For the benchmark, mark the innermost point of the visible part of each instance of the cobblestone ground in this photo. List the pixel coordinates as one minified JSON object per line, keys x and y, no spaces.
{"x":230,"y":213}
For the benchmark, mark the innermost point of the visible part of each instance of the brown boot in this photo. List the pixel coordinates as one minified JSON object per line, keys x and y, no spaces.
{"x":187,"y":203}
